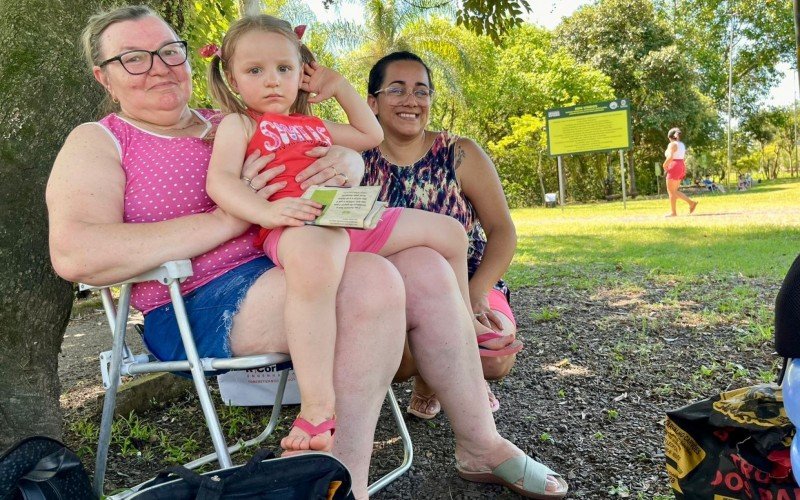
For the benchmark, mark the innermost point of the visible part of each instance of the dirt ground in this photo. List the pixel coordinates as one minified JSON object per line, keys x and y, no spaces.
{"x":587,"y":396}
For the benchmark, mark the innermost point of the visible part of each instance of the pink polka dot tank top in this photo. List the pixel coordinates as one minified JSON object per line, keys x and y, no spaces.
{"x":165,"y":179}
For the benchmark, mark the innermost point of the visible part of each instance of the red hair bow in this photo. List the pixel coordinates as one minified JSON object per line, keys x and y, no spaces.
{"x":210,"y":50}
{"x":299,"y":30}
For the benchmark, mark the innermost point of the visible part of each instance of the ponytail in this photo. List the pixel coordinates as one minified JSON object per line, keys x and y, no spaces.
{"x":219,"y":89}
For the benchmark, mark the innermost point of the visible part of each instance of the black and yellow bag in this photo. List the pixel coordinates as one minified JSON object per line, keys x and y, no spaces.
{"x":731,"y":446}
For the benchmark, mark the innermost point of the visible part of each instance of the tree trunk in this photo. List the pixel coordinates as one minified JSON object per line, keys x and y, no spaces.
{"x":541,"y":177}
{"x":46,"y":92}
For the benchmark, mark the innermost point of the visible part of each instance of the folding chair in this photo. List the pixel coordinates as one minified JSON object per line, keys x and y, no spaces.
{"x":121,"y":361}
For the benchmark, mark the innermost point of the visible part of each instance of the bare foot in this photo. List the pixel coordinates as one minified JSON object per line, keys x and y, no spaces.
{"x":424,"y":406}
{"x":671,"y":215}
{"x":692,"y":207}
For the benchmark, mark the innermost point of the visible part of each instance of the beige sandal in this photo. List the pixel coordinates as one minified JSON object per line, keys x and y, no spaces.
{"x":429,"y":403}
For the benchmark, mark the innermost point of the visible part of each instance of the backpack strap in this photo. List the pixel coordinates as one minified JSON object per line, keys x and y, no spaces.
{"x":32,"y":485}
{"x":208,"y":487}
{"x":51,"y":465}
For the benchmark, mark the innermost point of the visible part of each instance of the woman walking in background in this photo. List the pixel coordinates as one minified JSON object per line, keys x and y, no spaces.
{"x":675,"y":169}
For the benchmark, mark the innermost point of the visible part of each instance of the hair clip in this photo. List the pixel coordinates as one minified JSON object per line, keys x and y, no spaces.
{"x":210,"y":50}
{"x":299,"y":30}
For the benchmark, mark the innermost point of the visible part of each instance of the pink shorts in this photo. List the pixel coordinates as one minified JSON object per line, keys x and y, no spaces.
{"x":677,"y":170}
{"x":498,"y":302}
{"x":361,"y":240}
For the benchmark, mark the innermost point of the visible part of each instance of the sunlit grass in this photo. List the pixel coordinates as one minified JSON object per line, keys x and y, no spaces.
{"x":755,"y":233}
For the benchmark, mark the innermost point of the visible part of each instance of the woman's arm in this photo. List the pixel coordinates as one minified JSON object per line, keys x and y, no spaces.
{"x":481,"y":184}
{"x":671,"y":149}
{"x":89,"y":241}
{"x":363,"y":131}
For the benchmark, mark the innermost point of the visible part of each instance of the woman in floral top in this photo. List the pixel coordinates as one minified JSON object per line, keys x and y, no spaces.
{"x":439,"y":172}
{"x":444,"y":173}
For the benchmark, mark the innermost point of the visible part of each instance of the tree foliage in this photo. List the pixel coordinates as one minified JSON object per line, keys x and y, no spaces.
{"x":760,"y":31}
{"x":395,"y":25}
{"x":483,"y":17}
{"x":635,"y":47}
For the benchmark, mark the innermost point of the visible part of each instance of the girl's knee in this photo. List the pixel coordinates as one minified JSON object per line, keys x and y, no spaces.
{"x":448,"y":236}
{"x":315,"y":251}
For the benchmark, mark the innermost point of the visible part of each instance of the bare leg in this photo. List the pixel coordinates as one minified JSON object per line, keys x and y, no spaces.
{"x":446,"y":236}
{"x":446,"y":354}
{"x":675,"y":194}
{"x":671,"y":190}
{"x":313,"y":259}
{"x":370,"y":319}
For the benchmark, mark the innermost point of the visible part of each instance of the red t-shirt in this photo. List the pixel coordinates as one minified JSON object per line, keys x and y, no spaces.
{"x":290,"y":137}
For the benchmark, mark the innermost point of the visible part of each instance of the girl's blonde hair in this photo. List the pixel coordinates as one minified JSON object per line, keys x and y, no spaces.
{"x":97,"y":24}
{"x":220,"y":62}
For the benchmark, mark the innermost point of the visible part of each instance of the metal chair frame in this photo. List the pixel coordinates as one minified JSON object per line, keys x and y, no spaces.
{"x":121,"y":361}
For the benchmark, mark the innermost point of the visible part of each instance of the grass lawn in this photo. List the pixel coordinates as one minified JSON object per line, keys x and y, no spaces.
{"x":755,"y":233}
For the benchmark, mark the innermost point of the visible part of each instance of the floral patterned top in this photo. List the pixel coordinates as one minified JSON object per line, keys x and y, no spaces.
{"x":429,"y":184}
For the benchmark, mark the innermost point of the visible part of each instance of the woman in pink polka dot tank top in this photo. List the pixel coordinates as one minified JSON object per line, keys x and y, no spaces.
{"x":128,"y":193}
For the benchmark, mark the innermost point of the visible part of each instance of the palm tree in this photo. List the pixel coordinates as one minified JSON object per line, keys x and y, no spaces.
{"x":394,"y":25}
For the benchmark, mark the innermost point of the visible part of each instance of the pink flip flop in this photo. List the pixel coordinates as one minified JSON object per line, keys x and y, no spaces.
{"x":512,"y":347}
{"x":314,"y":430}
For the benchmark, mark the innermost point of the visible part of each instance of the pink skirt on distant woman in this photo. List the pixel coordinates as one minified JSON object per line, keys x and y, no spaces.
{"x":677,"y":170}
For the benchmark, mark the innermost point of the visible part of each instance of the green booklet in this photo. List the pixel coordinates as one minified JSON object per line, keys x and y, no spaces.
{"x":354,"y":207}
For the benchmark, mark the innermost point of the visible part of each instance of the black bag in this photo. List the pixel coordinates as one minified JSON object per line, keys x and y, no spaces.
{"x":41,"y":468}
{"x":306,"y":476}
{"x":787,"y":314}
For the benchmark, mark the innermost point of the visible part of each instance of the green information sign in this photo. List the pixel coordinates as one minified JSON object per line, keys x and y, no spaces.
{"x":587,"y":128}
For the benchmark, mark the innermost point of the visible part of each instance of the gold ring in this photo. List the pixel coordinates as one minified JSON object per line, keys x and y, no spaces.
{"x":248,"y":180}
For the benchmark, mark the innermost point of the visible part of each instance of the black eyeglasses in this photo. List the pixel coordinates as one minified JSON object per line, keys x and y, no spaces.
{"x":138,"y":62}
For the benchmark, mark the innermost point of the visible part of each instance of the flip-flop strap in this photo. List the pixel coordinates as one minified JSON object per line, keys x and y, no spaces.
{"x":533,"y":474}
{"x":484,"y":337}
{"x":315,"y":430}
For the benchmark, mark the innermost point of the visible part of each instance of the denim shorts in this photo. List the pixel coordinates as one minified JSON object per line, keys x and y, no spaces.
{"x":210,"y":308}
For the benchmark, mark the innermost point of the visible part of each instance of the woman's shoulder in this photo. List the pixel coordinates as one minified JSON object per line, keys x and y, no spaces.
{"x":94,"y":134}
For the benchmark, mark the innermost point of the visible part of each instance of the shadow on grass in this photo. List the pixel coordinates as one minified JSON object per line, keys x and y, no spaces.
{"x":764,"y":251}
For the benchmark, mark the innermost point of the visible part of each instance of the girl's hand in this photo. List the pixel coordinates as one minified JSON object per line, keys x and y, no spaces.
{"x":320,"y":81}
{"x":258,"y":183}
{"x":290,"y":212}
{"x":334,"y":167}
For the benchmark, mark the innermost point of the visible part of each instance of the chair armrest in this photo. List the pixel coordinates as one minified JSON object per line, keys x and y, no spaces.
{"x":174,"y":269}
